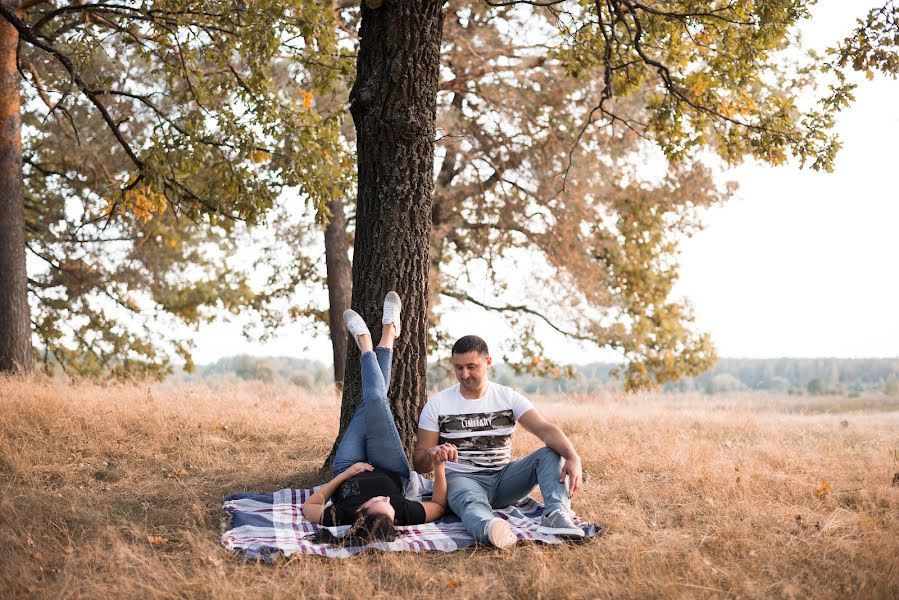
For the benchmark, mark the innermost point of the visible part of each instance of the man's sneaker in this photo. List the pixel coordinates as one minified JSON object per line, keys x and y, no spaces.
{"x":560,"y":523}
{"x":500,"y":534}
{"x":355,"y":325}
{"x":392,"y":306}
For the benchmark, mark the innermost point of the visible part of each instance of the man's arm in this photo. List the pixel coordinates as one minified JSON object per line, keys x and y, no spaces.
{"x":556,"y":439}
{"x":427,"y":452}
{"x":421,"y":459}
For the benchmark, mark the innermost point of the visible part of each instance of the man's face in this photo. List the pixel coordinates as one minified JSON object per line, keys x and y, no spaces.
{"x":471,"y":369}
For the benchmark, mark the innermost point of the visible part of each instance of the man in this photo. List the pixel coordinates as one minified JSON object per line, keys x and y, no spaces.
{"x":470,"y":426}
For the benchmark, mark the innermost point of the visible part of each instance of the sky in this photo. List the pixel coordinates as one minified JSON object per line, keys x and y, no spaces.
{"x":800,"y":263}
{"x":797,"y":263}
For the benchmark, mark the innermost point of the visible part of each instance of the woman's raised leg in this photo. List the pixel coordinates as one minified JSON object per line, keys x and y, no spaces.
{"x":371,"y":435}
{"x":352,"y":448}
{"x":383,"y":444}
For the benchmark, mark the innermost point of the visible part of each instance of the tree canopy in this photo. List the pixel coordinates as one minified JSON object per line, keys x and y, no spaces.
{"x":154,"y":132}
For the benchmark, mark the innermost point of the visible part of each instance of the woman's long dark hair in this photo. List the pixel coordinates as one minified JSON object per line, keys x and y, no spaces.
{"x":366,"y":530}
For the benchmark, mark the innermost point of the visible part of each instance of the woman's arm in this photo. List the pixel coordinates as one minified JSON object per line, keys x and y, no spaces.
{"x":314,"y":507}
{"x":437,"y":506}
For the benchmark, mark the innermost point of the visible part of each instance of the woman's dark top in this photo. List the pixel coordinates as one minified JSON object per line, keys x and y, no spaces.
{"x":358,"y":490}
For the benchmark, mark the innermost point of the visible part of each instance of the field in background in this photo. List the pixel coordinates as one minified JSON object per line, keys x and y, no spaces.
{"x":115,"y":491}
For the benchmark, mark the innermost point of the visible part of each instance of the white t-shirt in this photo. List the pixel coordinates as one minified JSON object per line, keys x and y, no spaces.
{"x":481,"y":429}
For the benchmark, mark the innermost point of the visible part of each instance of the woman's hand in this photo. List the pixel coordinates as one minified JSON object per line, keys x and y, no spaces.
{"x":437,"y":506}
{"x":313,"y":507}
{"x":359,"y":467}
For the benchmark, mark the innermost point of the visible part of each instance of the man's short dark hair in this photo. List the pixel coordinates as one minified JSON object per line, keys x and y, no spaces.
{"x":470,"y":343}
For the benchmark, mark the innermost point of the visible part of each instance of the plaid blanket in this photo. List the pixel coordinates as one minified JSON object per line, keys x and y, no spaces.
{"x":266,"y":525}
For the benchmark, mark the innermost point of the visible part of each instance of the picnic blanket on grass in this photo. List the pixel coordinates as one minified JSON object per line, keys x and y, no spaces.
{"x":264,"y":526}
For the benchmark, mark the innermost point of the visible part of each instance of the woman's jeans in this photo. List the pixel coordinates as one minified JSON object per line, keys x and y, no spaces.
{"x":371,"y":435}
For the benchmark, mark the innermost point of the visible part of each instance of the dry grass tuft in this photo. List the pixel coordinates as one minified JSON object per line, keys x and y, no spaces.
{"x":115,"y":491}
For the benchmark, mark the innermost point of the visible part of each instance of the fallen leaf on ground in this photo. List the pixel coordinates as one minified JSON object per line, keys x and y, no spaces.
{"x":823,"y":490}
{"x":156,"y":540}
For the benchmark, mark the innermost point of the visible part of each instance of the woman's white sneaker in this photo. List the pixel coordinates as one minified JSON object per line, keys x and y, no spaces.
{"x":355,"y":325}
{"x":392,"y":309}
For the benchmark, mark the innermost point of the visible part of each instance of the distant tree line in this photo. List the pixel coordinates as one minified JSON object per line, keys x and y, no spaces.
{"x":308,"y":374}
{"x":813,"y":376}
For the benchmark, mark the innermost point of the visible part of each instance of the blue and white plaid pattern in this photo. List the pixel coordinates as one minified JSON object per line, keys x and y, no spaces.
{"x":266,"y":525}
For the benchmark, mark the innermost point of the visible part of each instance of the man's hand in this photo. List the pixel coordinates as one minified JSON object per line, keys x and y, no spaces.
{"x":572,"y":469}
{"x":443,"y":453}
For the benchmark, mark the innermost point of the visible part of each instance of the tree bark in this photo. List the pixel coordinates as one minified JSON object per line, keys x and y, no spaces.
{"x":15,"y":318}
{"x":393,"y":103}
{"x":340,"y":283}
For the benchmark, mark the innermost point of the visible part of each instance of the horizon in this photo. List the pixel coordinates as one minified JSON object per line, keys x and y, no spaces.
{"x":497,"y":362}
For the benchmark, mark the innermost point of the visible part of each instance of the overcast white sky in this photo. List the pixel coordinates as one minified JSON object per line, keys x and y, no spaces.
{"x":796,"y":264}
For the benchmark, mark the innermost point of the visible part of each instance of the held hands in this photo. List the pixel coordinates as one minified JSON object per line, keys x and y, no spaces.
{"x":443,"y":453}
{"x":575,"y":474}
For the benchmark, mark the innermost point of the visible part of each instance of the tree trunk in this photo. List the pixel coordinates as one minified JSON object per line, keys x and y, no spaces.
{"x":15,"y":320}
{"x":337,"y":261}
{"x":393,"y":103}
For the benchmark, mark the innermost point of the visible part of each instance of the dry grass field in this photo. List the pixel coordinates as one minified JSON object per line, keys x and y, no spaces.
{"x":115,"y":491}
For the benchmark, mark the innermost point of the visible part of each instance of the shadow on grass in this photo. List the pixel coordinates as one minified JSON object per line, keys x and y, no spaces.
{"x":265,"y":483}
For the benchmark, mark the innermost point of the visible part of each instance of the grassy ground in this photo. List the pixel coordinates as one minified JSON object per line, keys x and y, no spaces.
{"x":115,"y":491}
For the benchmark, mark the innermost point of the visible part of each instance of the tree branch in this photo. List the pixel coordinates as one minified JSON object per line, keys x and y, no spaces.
{"x":29,"y":36}
{"x":463,"y":297}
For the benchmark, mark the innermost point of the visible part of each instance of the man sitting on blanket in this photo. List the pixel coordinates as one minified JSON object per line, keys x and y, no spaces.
{"x":477,"y":418}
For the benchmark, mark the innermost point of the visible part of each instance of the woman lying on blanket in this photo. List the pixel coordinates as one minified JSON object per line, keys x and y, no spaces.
{"x":371,"y":471}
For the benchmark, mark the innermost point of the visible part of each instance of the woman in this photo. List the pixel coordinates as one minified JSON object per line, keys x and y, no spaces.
{"x":371,"y":471}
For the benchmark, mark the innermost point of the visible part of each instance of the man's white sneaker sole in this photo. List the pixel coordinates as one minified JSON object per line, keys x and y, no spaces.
{"x":575,"y":532}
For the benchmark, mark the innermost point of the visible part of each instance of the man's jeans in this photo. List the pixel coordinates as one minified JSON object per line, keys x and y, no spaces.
{"x":371,"y":435}
{"x":473,"y":495}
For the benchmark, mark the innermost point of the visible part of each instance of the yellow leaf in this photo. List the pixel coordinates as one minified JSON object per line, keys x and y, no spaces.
{"x":726,"y":108}
{"x":260,"y":156}
{"x":183,"y":472}
{"x":823,"y":490}
{"x":776,"y":156}
{"x":156,"y":540}
{"x":307,"y":99}
{"x":144,"y":202}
